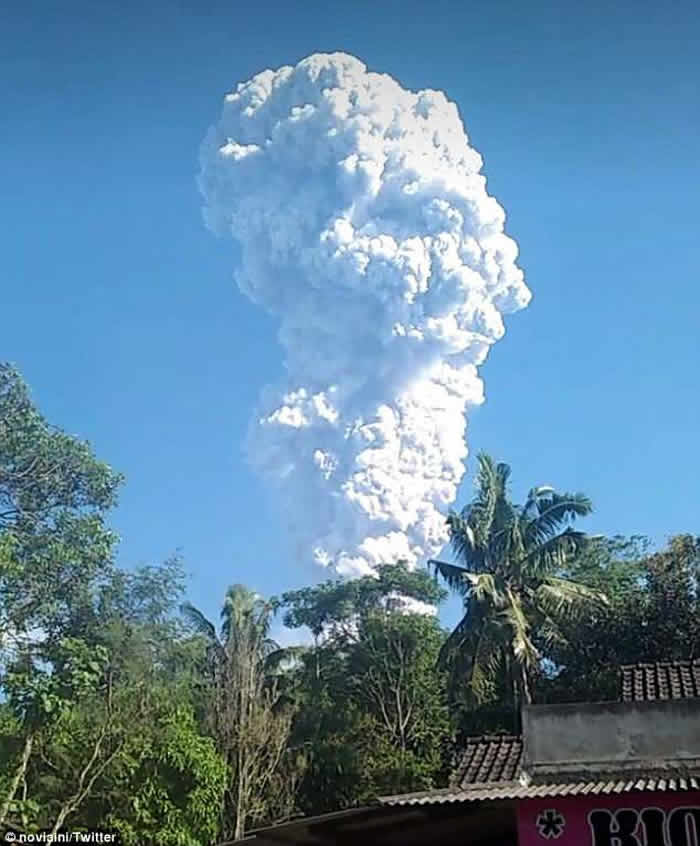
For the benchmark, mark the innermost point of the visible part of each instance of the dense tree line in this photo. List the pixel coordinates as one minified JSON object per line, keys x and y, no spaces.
{"x":122,"y":706}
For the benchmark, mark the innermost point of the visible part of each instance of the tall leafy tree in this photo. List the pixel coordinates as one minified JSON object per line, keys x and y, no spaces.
{"x":509,"y":577}
{"x":653,"y":615}
{"x":672,"y":609}
{"x":334,"y":606}
{"x":54,"y":546}
{"x":391,"y":666}
{"x":251,"y":727}
{"x":40,"y":693}
{"x":132,"y":757}
{"x":76,"y":706}
{"x":54,"y":496}
{"x":373,"y":714}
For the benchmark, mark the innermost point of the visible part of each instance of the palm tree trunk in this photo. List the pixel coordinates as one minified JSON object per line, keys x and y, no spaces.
{"x":525,"y":692}
{"x":514,"y":682}
{"x":522,"y":695}
{"x":239,"y":828}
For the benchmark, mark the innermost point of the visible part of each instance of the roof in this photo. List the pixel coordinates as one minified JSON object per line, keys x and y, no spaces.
{"x":662,"y":680}
{"x":393,"y":826}
{"x":522,"y":790}
{"x":487,"y":759}
{"x":491,"y":766}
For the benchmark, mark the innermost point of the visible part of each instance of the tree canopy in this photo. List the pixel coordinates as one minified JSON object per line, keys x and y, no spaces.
{"x":511,"y":578}
{"x":123,"y":706}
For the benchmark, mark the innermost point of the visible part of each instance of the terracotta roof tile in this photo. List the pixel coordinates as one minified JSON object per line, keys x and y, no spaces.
{"x":662,"y":680}
{"x":488,"y":759}
{"x":490,"y":766}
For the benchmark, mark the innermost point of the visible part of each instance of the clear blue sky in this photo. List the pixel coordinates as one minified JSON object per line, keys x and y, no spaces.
{"x":120,"y":309}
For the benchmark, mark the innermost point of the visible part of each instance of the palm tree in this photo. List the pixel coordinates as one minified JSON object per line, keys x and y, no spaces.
{"x":248,"y":713}
{"x":510,"y":557}
{"x":245,"y":616}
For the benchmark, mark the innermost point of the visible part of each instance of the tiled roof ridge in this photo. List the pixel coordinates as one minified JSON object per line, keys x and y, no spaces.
{"x":478,"y":738}
{"x":672,"y":662}
{"x":609,"y":773}
{"x":660,"y":680}
{"x":489,"y":759}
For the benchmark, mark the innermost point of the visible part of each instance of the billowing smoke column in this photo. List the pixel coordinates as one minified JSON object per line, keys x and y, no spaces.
{"x":364,"y":226}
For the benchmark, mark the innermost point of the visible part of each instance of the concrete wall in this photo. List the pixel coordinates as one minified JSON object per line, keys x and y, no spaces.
{"x":612,"y":736}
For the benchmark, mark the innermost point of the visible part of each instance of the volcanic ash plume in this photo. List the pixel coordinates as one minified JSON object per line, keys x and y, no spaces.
{"x":364,"y":226}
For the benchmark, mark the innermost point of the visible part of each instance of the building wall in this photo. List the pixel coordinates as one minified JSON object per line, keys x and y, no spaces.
{"x":599,"y":737}
{"x":634,"y":819}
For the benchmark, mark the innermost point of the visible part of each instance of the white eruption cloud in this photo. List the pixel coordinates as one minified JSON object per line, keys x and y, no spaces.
{"x":365,"y":227}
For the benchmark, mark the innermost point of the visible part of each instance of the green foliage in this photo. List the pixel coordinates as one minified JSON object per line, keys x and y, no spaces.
{"x":151,"y":774}
{"x":512,"y":584}
{"x":123,"y":707}
{"x":372,"y":715}
{"x":175,"y":779}
{"x":45,"y":472}
{"x":53,"y":497}
{"x":653,"y":615}
{"x":248,"y":714}
{"x":40,"y":688}
{"x":332,"y":605}
{"x":115,"y":737}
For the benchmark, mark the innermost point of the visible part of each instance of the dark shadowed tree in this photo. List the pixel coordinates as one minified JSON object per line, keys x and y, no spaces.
{"x":653,"y":615}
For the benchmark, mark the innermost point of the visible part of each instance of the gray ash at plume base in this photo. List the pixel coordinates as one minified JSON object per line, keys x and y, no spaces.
{"x":365,"y":227}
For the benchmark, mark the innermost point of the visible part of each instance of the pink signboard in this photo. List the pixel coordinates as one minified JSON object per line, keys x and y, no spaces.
{"x":632,"y":819}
